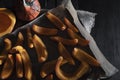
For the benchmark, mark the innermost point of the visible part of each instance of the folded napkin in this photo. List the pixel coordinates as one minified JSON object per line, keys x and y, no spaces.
{"x":87,"y":20}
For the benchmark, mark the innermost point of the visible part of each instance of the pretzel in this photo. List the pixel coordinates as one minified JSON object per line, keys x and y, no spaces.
{"x":65,"y":54}
{"x":47,"y":68}
{"x":56,"y":21}
{"x":29,"y":38}
{"x":20,"y":39}
{"x":26,"y":62}
{"x":44,"y":31}
{"x":81,"y":41}
{"x":41,"y":51}
{"x":82,"y":69}
{"x":70,"y":25}
{"x":2,"y":59}
{"x":65,"y":41}
{"x":79,"y":53}
{"x":49,"y":77}
{"x":7,"y":67}
{"x":8,"y":44}
{"x":19,"y":66}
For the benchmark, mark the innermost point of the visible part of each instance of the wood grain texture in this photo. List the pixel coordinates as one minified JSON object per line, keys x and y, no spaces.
{"x":107,"y":25}
{"x":107,"y":28}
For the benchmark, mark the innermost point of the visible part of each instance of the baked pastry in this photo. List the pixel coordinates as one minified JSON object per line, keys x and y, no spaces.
{"x":49,"y":48}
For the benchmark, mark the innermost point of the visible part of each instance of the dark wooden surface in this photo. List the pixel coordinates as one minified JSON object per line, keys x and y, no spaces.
{"x":107,"y":25}
{"x":107,"y":28}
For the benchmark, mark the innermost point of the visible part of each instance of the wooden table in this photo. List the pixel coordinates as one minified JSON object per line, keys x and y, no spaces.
{"x":107,"y":25}
{"x":107,"y":28}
